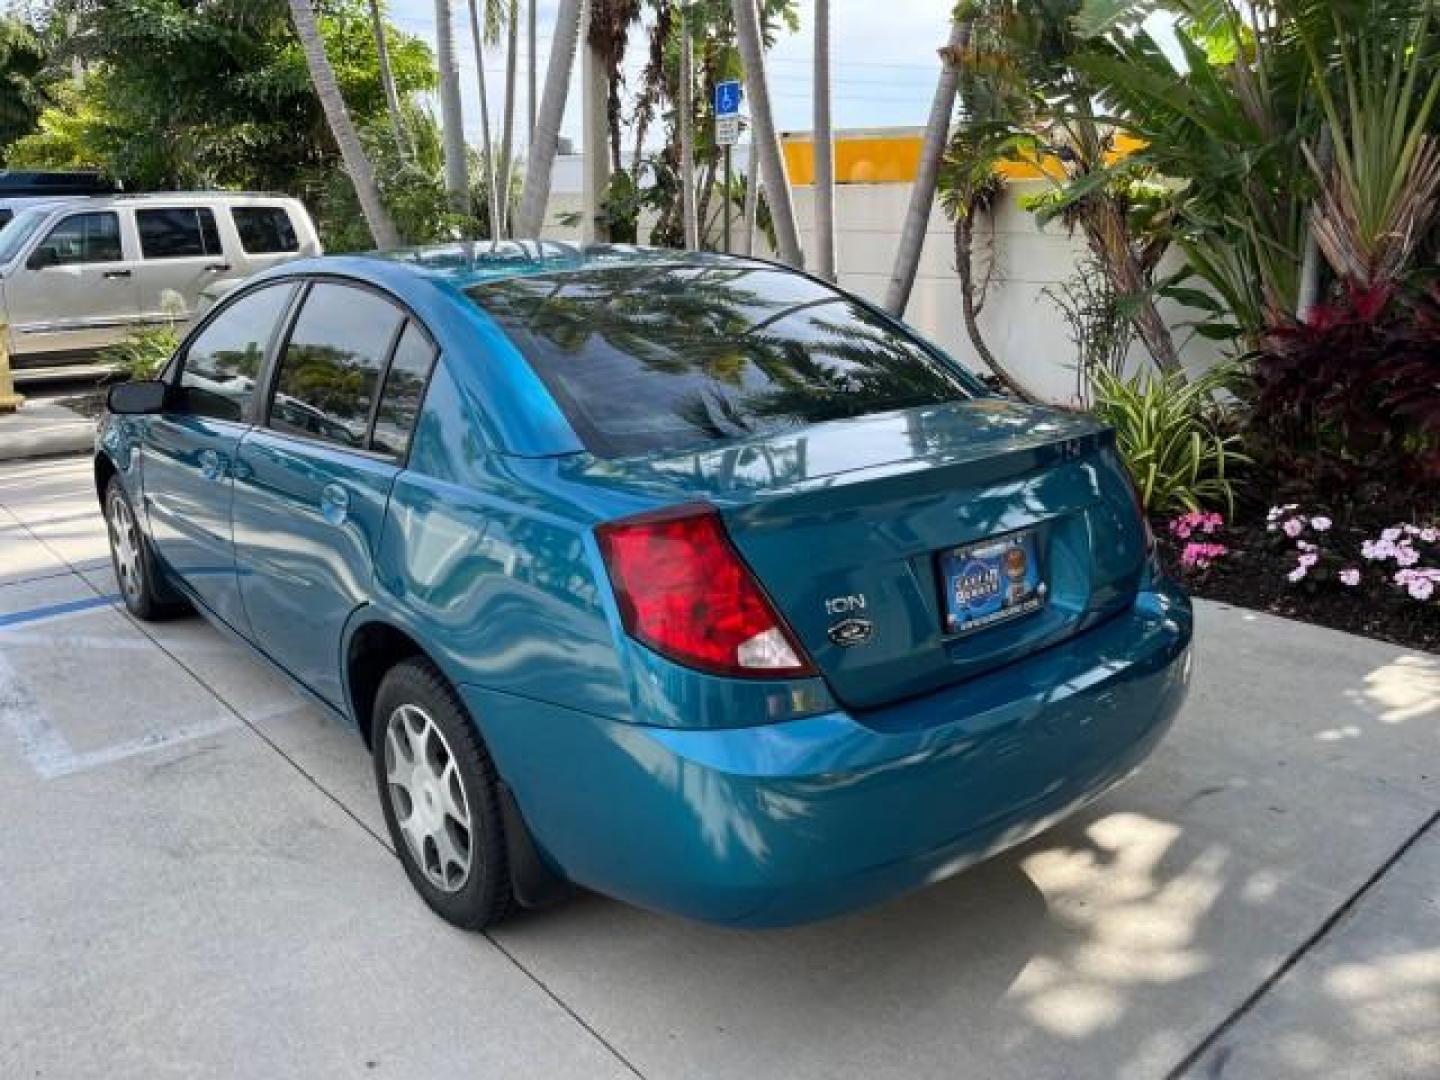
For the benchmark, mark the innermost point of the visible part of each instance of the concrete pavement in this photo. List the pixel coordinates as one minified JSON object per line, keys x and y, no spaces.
{"x":44,"y":427}
{"x":196,"y":882}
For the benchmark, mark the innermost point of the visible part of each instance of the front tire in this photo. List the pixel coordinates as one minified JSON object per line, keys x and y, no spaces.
{"x":440,"y":796}
{"x":141,"y":589}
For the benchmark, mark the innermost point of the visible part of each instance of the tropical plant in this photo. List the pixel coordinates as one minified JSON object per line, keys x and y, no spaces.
{"x":1032,"y":95}
{"x":765,"y":139}
{"x":24,"y":85}
{"x":322,"y":76}
{"x":452,"y":111}
{"x":143,"y":351}
{"x":1098,"y":329}
{"x":387,"y":76}
{"x":1353,"y":395}
{"x":1382,"y":193}
{"x":1173,"y":436}
{"x":824,"y":148}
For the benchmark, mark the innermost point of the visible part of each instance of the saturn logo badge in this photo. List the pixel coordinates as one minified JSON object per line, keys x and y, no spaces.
{"x":850,"y":632}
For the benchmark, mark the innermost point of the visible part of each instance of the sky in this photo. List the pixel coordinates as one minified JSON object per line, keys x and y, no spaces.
{"x":883,"y":62}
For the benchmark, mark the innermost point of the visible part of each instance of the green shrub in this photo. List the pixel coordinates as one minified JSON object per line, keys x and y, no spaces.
{"x":144,"y":351}
{"x":1173,"y":436}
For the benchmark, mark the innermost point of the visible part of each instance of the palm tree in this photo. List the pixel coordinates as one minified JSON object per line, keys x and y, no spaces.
{"x":765,"y":139}
{"x":536,"y":194}
{"x":531,"y":98}
{"x":357,"y":165}
{"x":507,"y":134}
{"x":922,"y":194}
{"x":686,"y":109}
{"x":452,"y":117}
{"x":824,"y":148}
{"x":492,"y":191}
{"x":387,"y":79}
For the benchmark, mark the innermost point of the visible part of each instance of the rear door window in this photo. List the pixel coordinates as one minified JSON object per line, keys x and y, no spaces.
{"x":644,"y":359}
{"x":177,"y":232}
{"x":222,"y":362}
{"x":265,"y":230}
{"x":404,"y":387}
{"x":330,"y":369}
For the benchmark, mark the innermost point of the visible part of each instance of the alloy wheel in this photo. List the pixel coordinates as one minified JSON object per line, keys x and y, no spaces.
{"x":125,"y":543}
{"x":429,"y":801}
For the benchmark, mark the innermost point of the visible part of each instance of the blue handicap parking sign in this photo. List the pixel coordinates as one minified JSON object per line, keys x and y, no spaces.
{"x":727,"y":98}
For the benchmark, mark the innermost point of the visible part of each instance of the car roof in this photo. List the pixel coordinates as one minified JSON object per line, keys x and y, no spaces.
{"x":463,"y":264}
{"x":170,"y":198}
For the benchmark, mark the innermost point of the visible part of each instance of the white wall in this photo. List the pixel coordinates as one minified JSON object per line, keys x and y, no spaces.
{"x":1022,"y":326}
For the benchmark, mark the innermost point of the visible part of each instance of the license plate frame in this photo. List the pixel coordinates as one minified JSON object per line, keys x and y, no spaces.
{"x":990,"y":582}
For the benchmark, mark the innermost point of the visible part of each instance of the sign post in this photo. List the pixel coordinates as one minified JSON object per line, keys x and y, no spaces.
{"x":728,"y":96}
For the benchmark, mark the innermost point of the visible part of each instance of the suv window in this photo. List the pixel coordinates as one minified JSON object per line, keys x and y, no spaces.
{"x":404,"y":387}
{"x":84,"y":238}
{"x":177,"y":232}
{"x":264,"y":230}
{"x":223,"y":361}
{"x":331,"y":367}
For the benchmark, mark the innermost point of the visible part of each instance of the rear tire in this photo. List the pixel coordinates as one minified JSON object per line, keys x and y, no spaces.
{"x":440,"y":795}
{"x":141,"y":587}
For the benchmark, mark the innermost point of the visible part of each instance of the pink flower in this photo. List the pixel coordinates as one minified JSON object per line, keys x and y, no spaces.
{"x":1377,"y":549}
{"x":1428,"y":535}
{"x":1305,"y":545}
{"x":1405,"y":555}
{"x":1293,"y":527}
{"x":1200,"y":556}
{"x":1309,"y":559}
{"x":1390,"y":535}
{"x":1421,"y":588}
{"x":1320,"y":524}
{"x":1296,"y":574}
{"x":1350,"y":576}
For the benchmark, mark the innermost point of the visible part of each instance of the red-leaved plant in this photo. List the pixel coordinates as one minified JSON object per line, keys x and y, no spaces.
{"x":1353,"y":395}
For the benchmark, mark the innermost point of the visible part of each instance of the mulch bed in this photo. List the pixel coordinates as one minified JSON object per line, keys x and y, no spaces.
{"x":1253,"y":575}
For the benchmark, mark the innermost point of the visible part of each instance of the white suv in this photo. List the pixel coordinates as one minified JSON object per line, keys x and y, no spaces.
{"x":78,"y":275}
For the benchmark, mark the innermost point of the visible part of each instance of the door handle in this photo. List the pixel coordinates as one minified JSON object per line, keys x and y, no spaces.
{"x":112,"y":274}
{"x":334,"y":504}
{"x":212,"y":465}
{"x":217,"y":268}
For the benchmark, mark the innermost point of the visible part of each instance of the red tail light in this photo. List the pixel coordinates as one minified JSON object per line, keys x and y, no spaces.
{"x":684,"y":591}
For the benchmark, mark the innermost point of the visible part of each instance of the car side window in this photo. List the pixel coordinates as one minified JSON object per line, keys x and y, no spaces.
{"x":330,"y":369}
{"x":404,"y":387}
{"x":83,"y":238}
{"x":177,"y":232}
{"x":264,"y":230}
{"x":222,"y":364}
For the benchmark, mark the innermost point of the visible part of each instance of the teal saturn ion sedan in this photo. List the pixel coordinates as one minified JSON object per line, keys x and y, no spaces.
{"x":685,"y":578}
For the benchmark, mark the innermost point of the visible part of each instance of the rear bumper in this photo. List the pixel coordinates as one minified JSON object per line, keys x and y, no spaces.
{"x":794,"y":821}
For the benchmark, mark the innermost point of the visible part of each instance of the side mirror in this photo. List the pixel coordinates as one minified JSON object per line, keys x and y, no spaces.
{"x":137,"y":398}
{"x":42,"y":257}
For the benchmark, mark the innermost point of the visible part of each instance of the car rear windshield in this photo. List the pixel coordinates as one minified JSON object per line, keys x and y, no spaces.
{"x":645,"y":359}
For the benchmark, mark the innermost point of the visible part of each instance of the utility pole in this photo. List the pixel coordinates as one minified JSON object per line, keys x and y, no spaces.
{"x":595,"y":144}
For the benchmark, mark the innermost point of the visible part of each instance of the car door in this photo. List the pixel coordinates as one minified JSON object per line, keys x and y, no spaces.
{"x":313,"y":479}
{"x":189,"y":451}
{"x":180,"y":255}
{"x":76,"y":289}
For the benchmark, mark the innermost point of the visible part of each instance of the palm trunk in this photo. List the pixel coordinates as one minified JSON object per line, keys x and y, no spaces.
{"x":357,"y":165}
{"x":387,"y":80}
{"x":1109,"y":239}
{"x":536,"y":195}
{"x":970,"y":310}
{"x":824,"y":148}
{"x":452,"y":118}
{"x":492,"y":191}
{"x":765,"y":138}
{"x":752,"y":202}
{"x":927,"y":174}
{"x":507,"y":133}
{"x":530,"y":47}
{"x":686,"y":110}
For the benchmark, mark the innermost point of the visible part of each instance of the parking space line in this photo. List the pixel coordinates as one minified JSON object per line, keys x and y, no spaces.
{"x":49,"y":611}
{"x":44,"y":738}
